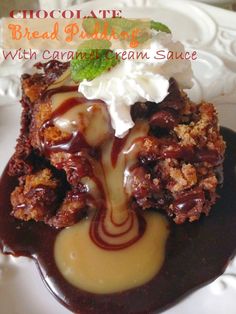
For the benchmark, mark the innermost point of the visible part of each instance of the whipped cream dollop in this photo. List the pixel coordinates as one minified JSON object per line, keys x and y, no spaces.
{"x":139,"y":80}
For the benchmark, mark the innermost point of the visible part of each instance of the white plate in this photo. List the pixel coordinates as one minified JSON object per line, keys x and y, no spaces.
{"x":210,"y":31}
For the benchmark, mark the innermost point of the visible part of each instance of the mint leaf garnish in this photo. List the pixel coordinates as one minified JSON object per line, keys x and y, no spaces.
{"x":159,"y":27}
{"x":94,"y":57}
{"x":90,"y":63}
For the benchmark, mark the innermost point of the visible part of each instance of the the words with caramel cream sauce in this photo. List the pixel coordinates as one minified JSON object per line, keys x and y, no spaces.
{"x":114,"y":248}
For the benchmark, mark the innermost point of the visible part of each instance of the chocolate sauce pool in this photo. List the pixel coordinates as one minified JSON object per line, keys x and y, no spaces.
{"x":196,"y":253}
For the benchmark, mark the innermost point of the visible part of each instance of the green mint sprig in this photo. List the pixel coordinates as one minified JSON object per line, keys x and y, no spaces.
{"x":90,"y":63}
{"x":159,"y":27}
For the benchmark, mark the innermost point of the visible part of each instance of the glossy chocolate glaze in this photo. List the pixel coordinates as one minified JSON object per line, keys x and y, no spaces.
{"x":196,"y":253}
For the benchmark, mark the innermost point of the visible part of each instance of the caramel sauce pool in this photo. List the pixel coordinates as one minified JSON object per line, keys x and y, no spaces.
{"x":91,"y":268}
{"x":115,"y":248}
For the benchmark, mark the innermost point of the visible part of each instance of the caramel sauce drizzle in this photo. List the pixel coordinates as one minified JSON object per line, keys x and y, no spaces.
{"x":113,"y":227}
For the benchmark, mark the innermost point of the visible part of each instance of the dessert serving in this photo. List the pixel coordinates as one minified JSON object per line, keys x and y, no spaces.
{"x":111,"y":172}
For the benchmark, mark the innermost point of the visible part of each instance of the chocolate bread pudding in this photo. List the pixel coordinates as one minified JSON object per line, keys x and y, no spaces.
{"x":174,"y":166}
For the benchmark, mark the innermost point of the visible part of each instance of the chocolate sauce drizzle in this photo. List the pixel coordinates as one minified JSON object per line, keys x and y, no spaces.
{"x":71,"y":144}
{"x":99,"y":220}
{"x":117,"y":147}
